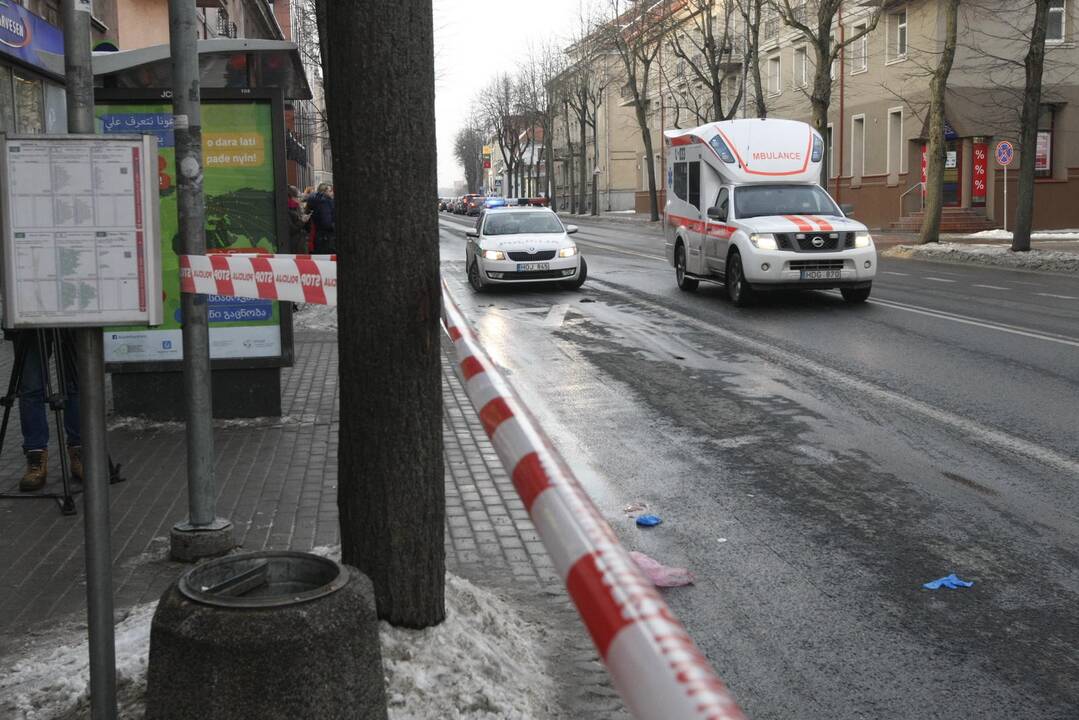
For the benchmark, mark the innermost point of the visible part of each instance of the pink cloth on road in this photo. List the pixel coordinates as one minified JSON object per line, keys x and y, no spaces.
{"x":661,"y":575}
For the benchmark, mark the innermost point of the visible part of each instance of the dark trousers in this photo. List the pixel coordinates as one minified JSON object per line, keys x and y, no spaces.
{"x":325,"y":242}
{"x":33,"y":415}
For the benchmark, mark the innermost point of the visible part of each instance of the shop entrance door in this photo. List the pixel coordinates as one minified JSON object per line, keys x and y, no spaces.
{"x":953,"y":173}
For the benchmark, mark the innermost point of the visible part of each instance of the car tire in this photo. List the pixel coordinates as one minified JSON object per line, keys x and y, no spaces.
{"x":686,"y":284}
{"x":856,"y":296}
{"x":474,"y":278}
{"x":738,"y":289}
{"x":577,"y":282}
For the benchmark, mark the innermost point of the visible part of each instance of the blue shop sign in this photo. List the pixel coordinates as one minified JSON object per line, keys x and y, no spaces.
{"x":26,"y":37}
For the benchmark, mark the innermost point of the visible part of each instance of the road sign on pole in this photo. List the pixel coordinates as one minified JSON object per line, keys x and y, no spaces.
{"x":1005,"y":155}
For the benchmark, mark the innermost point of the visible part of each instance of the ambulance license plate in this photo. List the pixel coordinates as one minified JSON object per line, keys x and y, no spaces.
{"x":822,"y":274}
{"x":532,"y":267}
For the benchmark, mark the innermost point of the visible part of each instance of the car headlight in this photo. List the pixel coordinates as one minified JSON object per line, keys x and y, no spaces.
{"x":567,"y":252}
{"x":764,"y":241}
{"x":493,"y":255}
{"x":863,"y":240}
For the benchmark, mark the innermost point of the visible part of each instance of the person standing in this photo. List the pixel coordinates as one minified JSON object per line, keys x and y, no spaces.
{"x":297,"y":221}
{"x":320,"y":206}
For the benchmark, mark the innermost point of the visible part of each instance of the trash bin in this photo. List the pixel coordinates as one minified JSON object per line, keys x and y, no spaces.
{"x":266,"y":636}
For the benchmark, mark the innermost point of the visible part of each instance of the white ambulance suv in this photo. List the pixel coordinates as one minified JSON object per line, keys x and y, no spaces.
{"x":744,"y":208}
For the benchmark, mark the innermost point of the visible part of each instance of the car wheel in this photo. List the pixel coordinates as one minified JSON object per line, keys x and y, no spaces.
{"x":474,"y":278}
{"x":578,"y":281}
{"x":855,"y":295}
{"x":738,"y":290}
{"x":684,"y":283}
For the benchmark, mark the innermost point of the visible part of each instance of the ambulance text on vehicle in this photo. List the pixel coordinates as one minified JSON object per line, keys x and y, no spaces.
{"x":745,"y":208}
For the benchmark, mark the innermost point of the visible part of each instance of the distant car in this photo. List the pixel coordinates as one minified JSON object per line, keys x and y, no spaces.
{"x":514,"y":245}
{"x":474,"y":204}
{"x":442,"y":204}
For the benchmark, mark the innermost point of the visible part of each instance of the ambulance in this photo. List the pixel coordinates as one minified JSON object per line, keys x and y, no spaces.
{"x":745,"y":208}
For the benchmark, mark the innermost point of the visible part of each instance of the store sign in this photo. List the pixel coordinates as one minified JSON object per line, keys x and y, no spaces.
{"x":1044,"y":152}
{"x":979,"y":174}
{"x":925,"y":167}
{"x":26,"y":37}
{"x":240,"y":215}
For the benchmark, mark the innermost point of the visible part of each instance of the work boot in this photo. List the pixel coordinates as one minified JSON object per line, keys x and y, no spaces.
{"x":74,"y":454}
{"x":37,"y":468}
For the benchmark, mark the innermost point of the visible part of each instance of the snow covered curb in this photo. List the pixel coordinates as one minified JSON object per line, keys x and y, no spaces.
{"x":316,"y":318}
{"x":485,"y":662}
{"x":996,"y":255}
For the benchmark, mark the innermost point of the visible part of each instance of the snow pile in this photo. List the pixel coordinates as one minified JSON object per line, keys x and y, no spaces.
{"x":999,"y":234}
{"x":999,"y":255}
{"x":485,"y":662}
{"x":52,"y":682}
{"x":317,"y":318}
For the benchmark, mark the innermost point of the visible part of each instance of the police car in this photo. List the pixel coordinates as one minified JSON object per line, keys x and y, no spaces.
{"x":523,"y":244}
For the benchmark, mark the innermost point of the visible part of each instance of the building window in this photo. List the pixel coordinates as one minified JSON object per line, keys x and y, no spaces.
{"x":859,"y":50}
{"x":895,"y":142}
{"x":7,"y":101}
{"x":897,"y":35}
{"x":29,"y":105}
{"x":801,"y":62}
{"x":1043,"y":151}
{"x":1057,"y":25}
{"x":857,"y":147}
{"x":775,"y":76}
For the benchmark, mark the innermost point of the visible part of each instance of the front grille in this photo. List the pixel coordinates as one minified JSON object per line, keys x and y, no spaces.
{"x":803,"y":242}
{"x":532,"y":257}
{"x":816,"y":264}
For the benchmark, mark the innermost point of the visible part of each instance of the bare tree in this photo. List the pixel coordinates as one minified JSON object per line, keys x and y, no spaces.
{"x":468,"y":149}
{"x":498,"y":105}
{"x":636,"y":33}
{"x":938,"y":83}
{"x":817,"y":32}
{"x":751,"y":12}
{"x":709,"y":47}
{"x":1028,"y":127}
{"x":391,"y":491}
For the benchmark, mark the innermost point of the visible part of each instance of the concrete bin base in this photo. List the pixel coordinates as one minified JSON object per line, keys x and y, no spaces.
{"x":318,"y":658}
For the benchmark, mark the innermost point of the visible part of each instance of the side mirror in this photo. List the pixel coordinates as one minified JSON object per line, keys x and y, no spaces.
{"x":472,"y":233}
{"x":570,"y":229}
{"x":715,"y":213}
{"x":847,"y":209}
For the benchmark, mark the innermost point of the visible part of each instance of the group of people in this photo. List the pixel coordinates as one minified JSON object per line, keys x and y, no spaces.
{"x":312,"y":221}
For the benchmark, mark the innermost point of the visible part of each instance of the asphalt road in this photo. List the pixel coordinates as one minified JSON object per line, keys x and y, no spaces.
{"x":815,"y":463}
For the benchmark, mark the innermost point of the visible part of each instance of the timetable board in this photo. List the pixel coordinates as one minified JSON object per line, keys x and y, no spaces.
{"x":81,"y":239}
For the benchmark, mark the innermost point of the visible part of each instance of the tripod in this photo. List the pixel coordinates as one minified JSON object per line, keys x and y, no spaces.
{"x":45,"y":340}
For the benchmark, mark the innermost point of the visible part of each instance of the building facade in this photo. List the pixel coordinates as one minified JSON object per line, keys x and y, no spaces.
{"x":879,"y":103}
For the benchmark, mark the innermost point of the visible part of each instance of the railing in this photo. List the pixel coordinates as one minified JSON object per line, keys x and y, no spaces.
{"x":903,"y":199}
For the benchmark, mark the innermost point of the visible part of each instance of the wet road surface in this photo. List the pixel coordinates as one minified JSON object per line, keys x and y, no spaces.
{"x":815,"y":463}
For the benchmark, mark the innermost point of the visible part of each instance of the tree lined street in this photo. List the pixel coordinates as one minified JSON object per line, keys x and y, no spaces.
{"x":815,"y":464}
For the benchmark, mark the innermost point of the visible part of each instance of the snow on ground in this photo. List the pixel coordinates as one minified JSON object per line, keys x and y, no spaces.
{"x":999,"y":234}
{"x":141,"y":425}
{"x":998,"y":255}
{"x":315,"y":317}
{"x":485,"y":662}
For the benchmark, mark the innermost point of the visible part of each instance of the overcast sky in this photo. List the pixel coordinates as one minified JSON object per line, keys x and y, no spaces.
{"x":474,"y":41}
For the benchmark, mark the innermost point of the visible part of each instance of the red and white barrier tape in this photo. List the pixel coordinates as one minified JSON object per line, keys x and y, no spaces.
{"x":654,"y":664}
{"x":295,"y":278}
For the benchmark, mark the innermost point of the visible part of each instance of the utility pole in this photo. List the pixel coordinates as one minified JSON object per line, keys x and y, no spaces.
{"x":79,"y":74}
{"x":203,"y":534}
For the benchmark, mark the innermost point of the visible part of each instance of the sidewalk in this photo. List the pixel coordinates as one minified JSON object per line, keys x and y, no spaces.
{"x":277,"y":482}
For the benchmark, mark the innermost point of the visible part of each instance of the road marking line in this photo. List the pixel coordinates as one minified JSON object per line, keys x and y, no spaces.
{"x":556,"y":316}
{"x":889,"y":272}
{"x":966,"y":320}
{"x":990,"y":287}
{"x":937,"y":279}
{"x":989,"y":437}
{"x":1059,"y":297}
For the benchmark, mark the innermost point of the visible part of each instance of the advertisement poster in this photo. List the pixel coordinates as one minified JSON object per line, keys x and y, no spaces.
{"x":1043,"y":152}
{"x":240,"y":214}
{"x":978,"y":180}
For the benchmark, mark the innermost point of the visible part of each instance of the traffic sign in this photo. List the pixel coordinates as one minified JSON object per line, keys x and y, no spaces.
{"x":1005,"y":153}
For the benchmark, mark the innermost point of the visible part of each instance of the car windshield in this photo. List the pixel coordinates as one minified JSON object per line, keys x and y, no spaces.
{"x":760,"y":200}
{"x":516,"y":223}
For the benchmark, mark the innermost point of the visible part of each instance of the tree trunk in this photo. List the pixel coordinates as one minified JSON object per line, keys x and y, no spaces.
{"x":649,"y":161}
{"x":595,"y":162}
{"x":753,"y":57}
{"x":548,"y":153}
{"x":934,"y":198}
{"x":391,"y":486}
{"x":1032,"y":99}
{"x":582,"y":187}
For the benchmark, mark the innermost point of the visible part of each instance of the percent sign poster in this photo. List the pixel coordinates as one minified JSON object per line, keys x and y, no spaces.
{"x":240,"y":214}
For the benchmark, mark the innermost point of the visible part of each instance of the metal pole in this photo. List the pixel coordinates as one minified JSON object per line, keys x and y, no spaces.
{"x":204,"y":534}
{"x":1005,"y":198}
{"x":79,"y":75}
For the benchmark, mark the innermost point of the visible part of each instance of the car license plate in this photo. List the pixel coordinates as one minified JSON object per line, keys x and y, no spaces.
{"x":532,"y":267}
{"x":822,"y":274}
